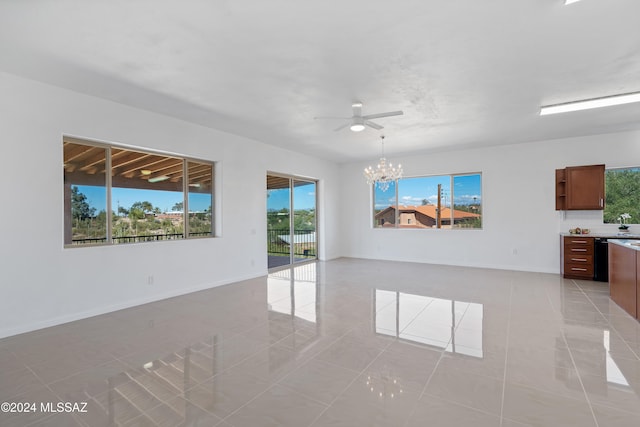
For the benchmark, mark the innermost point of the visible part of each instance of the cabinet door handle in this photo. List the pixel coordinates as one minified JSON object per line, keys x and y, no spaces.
{"x":579,"y":241}
{"x":578,"y":250}
{"x":579,"y":259}
{"x":578,"y":269}
{"x":601,"y":202}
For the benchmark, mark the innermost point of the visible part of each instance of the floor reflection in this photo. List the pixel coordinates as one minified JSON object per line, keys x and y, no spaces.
{"x":294,"y":292}
{"x":329,"y":344}
{"x":158,"y":392}
{"x":614,"y":374}
{"x":384,"y":385}
{"x":453,"y":325}
{"x":208,"y":380}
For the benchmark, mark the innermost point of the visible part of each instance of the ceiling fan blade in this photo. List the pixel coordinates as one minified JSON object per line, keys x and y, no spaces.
{"x":379,"y":115}
{"x":342,"y":127}
{"x":373,"y":125}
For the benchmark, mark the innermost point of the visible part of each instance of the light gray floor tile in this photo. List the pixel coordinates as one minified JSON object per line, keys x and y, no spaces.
{"x":438,"y":412}
{"x":466,"y":389}
{"x":278,"y":406}
{"x":320,"y":380}
{"x":373,"y":343}
{"x":536,"y":407}
{"x":609,"y":417}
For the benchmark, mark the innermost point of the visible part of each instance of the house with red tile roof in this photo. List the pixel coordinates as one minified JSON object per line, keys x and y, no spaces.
{"x":421,"y":216}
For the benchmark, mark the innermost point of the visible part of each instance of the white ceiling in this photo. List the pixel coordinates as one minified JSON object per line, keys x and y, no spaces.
{"x":466,"y":73}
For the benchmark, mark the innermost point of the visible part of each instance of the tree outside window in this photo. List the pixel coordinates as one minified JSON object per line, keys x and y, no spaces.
{"x":622,"y":195}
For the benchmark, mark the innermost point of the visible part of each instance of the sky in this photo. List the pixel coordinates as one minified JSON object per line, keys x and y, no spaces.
{"x":304,"y":197}
{"x":412,"y":191}
{"x":125,"y":197}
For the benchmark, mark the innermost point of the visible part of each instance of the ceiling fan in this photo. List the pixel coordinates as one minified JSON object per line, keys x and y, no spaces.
{"x":357,"y":122}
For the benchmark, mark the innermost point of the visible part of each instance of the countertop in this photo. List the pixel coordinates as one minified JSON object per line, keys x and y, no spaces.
{"x":631,"y":244}
{"x":605,"y":235}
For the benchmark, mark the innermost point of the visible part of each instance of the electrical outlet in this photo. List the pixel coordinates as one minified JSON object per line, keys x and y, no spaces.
{"x":150,"y":280}
{"x":514,"y":251}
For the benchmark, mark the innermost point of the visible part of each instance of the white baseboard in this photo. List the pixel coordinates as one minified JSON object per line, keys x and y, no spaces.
{"x":470,"y":265}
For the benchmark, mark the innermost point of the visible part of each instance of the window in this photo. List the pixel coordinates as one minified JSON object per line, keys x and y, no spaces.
{"x":85,"y":193}
{"x":143,"y":198}
{"x":439,"y":201}
{"x":384,"y":206}
{"x":200,"y":198}
{"x":622,"y":192}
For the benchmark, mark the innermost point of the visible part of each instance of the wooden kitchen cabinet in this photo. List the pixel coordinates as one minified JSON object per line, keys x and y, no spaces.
{"x":561,"y":189}
{"x":580,"y":188}
{"x":578,"y":257}
{"x":623,"y":279}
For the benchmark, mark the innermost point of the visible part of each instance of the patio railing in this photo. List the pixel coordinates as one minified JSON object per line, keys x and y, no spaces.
{"x":136,"y":239}
{"x":304,"y":242}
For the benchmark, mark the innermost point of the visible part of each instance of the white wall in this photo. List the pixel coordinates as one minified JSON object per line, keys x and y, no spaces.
{"x":43,"y":284}
{"x":520,"y":225}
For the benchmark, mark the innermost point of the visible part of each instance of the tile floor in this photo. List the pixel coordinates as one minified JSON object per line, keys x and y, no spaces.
{"x":343,"y":343}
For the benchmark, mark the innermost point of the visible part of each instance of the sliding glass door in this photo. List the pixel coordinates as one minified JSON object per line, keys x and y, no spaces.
{"x":278,"y":220}
{"x":291,"y":220}
{"x":304,"y":220}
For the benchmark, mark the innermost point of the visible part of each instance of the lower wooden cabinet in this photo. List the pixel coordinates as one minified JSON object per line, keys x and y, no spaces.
{"x":578,"y":257}
{"x":623,"y":277}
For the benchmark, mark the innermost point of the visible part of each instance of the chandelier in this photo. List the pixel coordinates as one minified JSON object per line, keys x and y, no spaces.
{"x":384,"y":173}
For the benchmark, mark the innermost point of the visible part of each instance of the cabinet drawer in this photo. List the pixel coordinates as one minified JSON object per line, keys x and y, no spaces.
{"x":579,"y":270}
{"x":578,"y":241}
{"x":577,"y":250}
{"x":578,"y":258}
{"x":578,"y":245}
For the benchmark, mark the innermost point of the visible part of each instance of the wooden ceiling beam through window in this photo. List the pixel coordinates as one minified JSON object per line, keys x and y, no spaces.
{"x":275,"y":182}
{"x":119,"y":160}
{"x":84,"y":164}
{"x":135,"y":168}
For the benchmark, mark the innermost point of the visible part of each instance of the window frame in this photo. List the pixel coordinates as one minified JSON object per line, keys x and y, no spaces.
{"x":396,"y":186}
{"x":109,"y":238}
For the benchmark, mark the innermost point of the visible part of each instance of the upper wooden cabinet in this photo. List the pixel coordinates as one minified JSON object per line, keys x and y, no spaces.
{"x":580,"y":188}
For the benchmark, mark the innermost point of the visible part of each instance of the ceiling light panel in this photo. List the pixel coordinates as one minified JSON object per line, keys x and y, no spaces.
{"x":588,"y":104}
